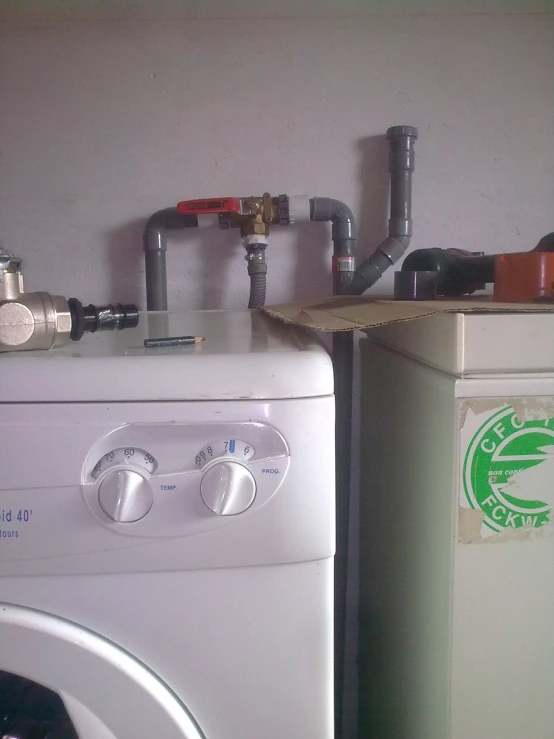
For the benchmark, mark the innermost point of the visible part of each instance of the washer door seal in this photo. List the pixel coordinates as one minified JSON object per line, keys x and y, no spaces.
{"x":108,"y":693}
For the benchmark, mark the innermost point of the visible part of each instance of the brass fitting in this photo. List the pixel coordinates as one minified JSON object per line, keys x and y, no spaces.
{"x":29,"y":321}
{"x":257,"y":215}
{"x":42,"y":321}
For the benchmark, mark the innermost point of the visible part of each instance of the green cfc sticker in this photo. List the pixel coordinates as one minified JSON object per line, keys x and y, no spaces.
{"x":509,"y":471}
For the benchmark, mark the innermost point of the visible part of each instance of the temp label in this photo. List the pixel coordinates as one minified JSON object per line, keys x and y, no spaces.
{"x":11,"y":519}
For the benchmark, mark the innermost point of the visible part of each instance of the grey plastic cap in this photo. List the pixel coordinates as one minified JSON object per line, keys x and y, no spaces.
{"x":395,"y":131}
{"x":415,"y":285}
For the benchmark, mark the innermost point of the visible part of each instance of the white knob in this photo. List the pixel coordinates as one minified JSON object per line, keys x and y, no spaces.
{"x":125,"y":496}
{"x":228,"y":488}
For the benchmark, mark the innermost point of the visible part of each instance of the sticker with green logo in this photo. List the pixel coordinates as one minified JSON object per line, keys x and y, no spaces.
{"x":508,"y":471}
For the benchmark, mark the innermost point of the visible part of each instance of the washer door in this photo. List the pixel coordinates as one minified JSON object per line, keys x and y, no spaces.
{"x":107,"y":693}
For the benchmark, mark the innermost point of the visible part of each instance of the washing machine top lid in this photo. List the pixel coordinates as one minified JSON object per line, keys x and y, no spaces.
{"x":245,"y":355}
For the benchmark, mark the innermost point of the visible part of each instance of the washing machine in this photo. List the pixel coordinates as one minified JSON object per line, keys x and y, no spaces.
{"x":167,"y":534}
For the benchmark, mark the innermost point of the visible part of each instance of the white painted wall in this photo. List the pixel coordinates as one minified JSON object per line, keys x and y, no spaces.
{"x":101,"y":123}
{"x":104,"y":122}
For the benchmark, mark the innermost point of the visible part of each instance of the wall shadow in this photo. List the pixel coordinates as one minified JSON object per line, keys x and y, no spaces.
{"x":126,"y":264}
{"x":218,"y":250}
{"x":373,"y":206}
{"x":312,"y":269}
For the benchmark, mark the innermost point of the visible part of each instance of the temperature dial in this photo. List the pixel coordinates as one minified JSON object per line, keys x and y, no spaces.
{"x":228,"y":488}
{"x":131,"y":456}
{"x":125,"y":496}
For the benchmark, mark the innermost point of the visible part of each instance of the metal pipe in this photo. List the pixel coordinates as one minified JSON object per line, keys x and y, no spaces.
{"x":344,"y":242}
{"x":401,"y":167}
{"x":155,"y":248}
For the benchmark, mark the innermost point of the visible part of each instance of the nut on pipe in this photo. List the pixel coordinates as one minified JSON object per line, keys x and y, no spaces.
{"x":11,"y":281}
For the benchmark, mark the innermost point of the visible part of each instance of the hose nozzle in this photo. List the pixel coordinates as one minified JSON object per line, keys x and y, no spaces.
{"x":91,"y":318}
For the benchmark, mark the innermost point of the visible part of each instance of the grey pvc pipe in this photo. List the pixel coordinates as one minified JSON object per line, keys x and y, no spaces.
{"x":155,"y":247}
{"x":401,"y":167}
{"x":401,"y":201}
{"x":338,"y":213}
{"x":155,"y":263}
{"x":343,"y":233}
{"x":546,"y":243}
{"x":344,"y":243}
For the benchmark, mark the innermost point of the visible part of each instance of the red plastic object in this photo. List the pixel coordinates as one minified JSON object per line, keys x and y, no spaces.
{"x":524,"y":278}
{"x":211,"y":205}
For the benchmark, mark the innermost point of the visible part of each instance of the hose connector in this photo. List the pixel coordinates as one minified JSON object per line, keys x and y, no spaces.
{"x":88,"y":319}
{"x":257,"y":269}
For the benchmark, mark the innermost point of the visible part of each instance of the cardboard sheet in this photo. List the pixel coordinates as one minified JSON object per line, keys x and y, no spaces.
{"x":345,"y":313}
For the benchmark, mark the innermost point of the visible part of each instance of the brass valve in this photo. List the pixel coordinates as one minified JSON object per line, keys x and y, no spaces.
{"x":42,"y":321}
{"x":253,"y":215}
{"x":257,"y":215}
{"x":29,"y":320}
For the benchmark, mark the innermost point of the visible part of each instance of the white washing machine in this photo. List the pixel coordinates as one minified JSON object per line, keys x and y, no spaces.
{"x":167,"y":531}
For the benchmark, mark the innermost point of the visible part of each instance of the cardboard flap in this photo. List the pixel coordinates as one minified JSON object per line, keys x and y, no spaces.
{"x":352,"y":313}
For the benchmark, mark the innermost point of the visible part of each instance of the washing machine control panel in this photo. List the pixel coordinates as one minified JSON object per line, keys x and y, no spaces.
{"x":163,"y":480}
{"x":125,"y":496}
{"x":114,"y":458}
{"x":228,"y":488}
{"x":239,"y":450}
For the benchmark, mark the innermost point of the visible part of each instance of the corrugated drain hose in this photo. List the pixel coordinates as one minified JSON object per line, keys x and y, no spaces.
{"x":257,"y":290}
{"x":257,"y":269}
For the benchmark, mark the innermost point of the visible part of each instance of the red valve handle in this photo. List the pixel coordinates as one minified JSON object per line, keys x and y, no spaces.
{"x":213,"y":205}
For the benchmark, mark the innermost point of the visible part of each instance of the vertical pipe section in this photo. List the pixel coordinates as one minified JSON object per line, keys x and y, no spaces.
{"x":343,"y":343}
{"x":344,"y":243}
{"x":344,"y":239}
{"x":155,"y":263}
{"x":401,"y":167}
{"x":155,"y":247}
